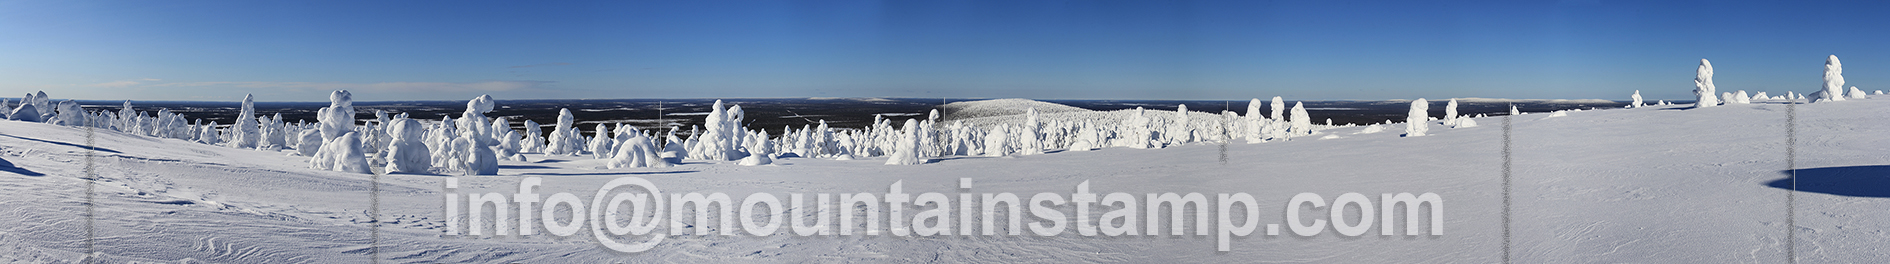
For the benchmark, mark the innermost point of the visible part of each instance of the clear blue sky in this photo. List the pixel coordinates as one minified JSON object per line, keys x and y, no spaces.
{"x":1308,"y":50}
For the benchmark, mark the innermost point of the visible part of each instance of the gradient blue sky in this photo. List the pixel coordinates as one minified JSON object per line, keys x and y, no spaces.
{"x":1215,"y":50}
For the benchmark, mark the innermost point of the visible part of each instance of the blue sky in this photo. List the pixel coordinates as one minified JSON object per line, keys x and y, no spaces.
{"x":1214,"y":50}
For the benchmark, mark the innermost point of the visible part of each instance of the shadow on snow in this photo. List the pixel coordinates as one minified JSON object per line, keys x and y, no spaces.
{"x":1854,"y":181}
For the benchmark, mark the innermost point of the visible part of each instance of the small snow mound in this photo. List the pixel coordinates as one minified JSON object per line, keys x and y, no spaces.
{"x":1371,"y":129}
{"x":1003,"y":107}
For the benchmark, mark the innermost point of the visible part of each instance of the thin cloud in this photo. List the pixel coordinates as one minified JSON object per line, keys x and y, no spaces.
{"x":124,"y":83}
{"x":538,"y":65}
{"x":387,"y":87}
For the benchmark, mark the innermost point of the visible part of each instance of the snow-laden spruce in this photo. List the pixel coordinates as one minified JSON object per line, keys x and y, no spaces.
{"x":1637,"y":100}
{"x":601,"y":142}
{"x":343,"y":154}
{"x":1302,"y":122}
{"x":1703,"y":86}
{"x":338,"y":117}
{"x":1254,"y":132}
{"x":243,"y":133}
{"x":907,"y":152}
{"x":1030,"y":141}
{"x":68,"y":113}
{"x":717,"y":140}
{"x":636,"y":151}
{"x":534,"y":138}
{"x":564,"y":139}
{"x":477,"y":153}
{"x":25,"y":113}
{"x":1450,"y":113}
{"x":1857,"y":94}
{"x":1417,"y":118}
{"x":407,"y":153}
{"x":1833,"y":82}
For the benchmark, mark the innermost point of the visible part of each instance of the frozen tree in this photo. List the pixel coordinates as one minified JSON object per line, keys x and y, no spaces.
{"x":68,"y":114}
{"x":1253,"y":122}
{"x":673,"y":146}
{"x":6,"y":108}
{"x":1703,"y":86}
{"x":534,"y":138}
{"x":25,"y":112}
{"x":1741,"y":98}
{"x":564,"y":139}
{"x":636,"y":151}
{"x":1279,"y":109}
{"x":476,"y":152}
{"x":308,"y":142}
{"x":907,"y":151}
{"x":34,"y":107}
{"x":718,"y":139}
{"x":1450,"y":113}
{"x":1833,"y":81}
{"x":209,"y":136}
{"x":244,"y":134}
{"x":758,"y":150}
{"x":1030,"y":140}
{"x":508,"y":148}
{"x":1857,"y":94}
{"x":1637,"y":100}
{"x":476,"y":128}
{"x":440,"y":141}
{"x":601,"y":142}
{"x":338,"y":117}
{"x":407,"y":153}
{"x":272,"y":135}
{"x":343,"y":153}
{"x":994,"y":142}
{"x":1302,"y":122}
{"x":1415,"y":121}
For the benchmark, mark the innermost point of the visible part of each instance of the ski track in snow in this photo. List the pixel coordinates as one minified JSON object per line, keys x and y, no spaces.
{"x":1652,"y":184}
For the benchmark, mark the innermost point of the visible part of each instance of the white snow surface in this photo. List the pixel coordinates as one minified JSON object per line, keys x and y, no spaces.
{"x":1625,"y":185}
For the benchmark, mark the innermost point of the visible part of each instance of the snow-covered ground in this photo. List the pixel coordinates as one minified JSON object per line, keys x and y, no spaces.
{"x":1650,"y":184}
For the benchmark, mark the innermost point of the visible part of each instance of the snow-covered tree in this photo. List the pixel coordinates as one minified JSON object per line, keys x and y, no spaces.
{"x":636,"y":151}
{"x":68,"y":114}
{"x":1450,"y":113}
{"x":1417,"y":118}
{"x":343,"y":153}
{"x":1302,"y":122}
{"x":1857,"y":94}
{"x":338,"y":117}
{"x":244,"y":133}
{"x":717,"y":141}
{"x":564,"y":139}
{"x":1030,"y":138}
{"x":407,"y":153}
{"x":1703,"y":86}
{"x":1253,"y":123}
{"x":534,"y":138}
{"x":1833,"y":82}
{"x":907,"y":151}
{"x":995,"y":144}
{"x":25,"y":113}
{"x":601,"y":142}
{"x":1637,"y":100}
{"x":476,"y":152}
